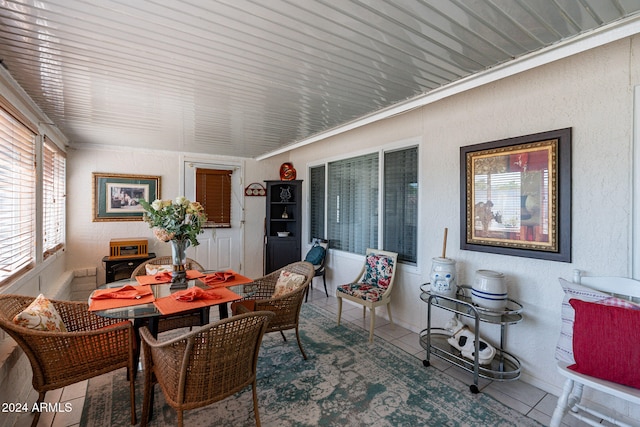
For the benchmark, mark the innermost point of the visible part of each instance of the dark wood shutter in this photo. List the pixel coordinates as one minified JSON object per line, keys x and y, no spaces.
{"x":213,"y":191}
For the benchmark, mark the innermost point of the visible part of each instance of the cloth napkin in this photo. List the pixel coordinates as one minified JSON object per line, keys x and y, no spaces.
{"x":193,"y":294}
{"x":125,"y":292}
{"x":194,"y":274}
{"x":166,"y":277}
{"x":219,"y":277}
{"x":170,"y":305}
{"x":163,"y":277}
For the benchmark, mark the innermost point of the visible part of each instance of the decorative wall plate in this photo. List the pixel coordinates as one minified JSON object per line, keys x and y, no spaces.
{"x":255,"y":189}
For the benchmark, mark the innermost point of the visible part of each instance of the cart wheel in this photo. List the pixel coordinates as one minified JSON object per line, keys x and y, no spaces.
{"x":426,"y":363}
{"x":474,"y":389}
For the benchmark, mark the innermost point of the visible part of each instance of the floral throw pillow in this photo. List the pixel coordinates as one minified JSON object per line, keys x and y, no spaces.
{"x":153,"y":269}
{"x":378,"y":270}
{"x":288,"y":282}
{"x":40,"y":315}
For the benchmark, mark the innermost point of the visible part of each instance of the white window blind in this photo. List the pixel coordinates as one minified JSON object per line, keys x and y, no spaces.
{"x":353,"y":197}
{"x":17,"y":186}
{"x":213,"y":191}
{"x":352,"y":205}
{"x":53,"y":197}
{"x":400,"y":197}
{"x":316,"y":203}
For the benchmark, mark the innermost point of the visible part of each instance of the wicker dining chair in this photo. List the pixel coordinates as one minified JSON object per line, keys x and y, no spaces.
{"x":92,"y":346}
{"x":286,"y":307}
{"x":141,"y":270}
{"x":185,"y":319}
{"x":206,"y":365}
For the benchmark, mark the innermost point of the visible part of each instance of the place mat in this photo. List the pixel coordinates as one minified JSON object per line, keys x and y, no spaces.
{"x":126,"y":296}
{"x":169,"y":304}
{"x":165,"y":277}
{"x":224,"y":279}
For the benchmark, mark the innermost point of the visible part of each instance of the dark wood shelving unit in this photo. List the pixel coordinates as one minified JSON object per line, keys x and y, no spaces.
{"x":284,"y":215}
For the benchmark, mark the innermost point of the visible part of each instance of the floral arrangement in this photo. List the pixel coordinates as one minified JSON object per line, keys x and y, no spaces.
{"x":178,"y":219}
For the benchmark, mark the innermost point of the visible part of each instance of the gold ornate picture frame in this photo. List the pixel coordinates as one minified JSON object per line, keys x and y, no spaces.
{"x":116,"y":196}
{"x":515,"y":196}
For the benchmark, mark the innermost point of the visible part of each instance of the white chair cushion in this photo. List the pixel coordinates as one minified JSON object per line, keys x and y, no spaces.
{"x":153,"y":269}
{"x":40,"y":315}
{"x":288,"y":282}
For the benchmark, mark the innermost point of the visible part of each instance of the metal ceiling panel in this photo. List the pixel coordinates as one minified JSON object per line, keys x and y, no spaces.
{"x":247,"y":77}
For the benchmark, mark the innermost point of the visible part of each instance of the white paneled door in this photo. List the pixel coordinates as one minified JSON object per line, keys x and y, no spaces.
{"x":224,"y":250}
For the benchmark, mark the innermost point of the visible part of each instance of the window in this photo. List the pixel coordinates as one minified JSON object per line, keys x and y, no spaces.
{"x":53,"y":197}
{"x":316,"y":203}
{"x":352,"y":198}
{"x":213,"y":191}
{"x":18,"y":187}
{"x":400,"y":197}
{"x":352,"y":203}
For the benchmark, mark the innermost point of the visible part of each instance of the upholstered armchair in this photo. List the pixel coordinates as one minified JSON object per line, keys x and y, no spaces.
{"x":206,"y":365}
{"x":281,"y":292}
{"x":79,"y":346}
{"x":372,"y":287}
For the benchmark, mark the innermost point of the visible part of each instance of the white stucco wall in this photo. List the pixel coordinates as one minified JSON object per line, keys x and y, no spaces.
{"x":593,"y":94}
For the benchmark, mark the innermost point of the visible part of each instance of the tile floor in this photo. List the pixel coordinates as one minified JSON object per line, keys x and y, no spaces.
{"x":518,"y":395}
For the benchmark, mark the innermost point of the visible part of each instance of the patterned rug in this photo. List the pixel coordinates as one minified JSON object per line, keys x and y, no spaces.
{"x":345,"y":382}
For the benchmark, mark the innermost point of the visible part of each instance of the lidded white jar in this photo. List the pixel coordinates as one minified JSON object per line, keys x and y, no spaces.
{"x":489,"y":290}
{"x":443,"y":276}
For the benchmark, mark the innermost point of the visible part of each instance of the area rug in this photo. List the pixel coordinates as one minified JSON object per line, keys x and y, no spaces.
{"x":346,"y":381}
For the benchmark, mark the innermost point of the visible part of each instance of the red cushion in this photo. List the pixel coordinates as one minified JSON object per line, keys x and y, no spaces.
{"x":605,"y":343}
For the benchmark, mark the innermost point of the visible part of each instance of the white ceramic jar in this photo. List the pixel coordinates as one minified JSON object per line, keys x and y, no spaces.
{"x":443,"y":276}
{"x":489,"y":290}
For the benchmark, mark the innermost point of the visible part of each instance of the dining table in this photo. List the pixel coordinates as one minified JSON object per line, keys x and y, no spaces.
{"x":143,"y":300}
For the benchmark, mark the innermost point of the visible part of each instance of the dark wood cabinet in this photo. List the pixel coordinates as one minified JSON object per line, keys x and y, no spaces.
{"x":283,"y":224}
{"x":121,"y":268}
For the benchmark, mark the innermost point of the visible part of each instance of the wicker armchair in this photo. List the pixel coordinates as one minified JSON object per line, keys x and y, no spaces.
{"x":204,"y":366}
{"x":182,"y":320}
{"x":92,"y":346}
{"x":286,"y":307}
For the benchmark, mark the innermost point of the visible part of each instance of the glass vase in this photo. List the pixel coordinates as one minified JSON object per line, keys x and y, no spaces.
{"x":179,"y":261}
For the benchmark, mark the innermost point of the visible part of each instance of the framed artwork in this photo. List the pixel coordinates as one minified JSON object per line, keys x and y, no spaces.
{"x":515,"y":196}
{"x":116,"y":196}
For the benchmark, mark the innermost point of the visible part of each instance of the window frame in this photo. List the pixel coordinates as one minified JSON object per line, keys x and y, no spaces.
{"x":25,"y":175}
{"x":39,"y":143}
{"x":381,"y":151}
{"x":403,"y":257}
{"x":57,"y":192}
